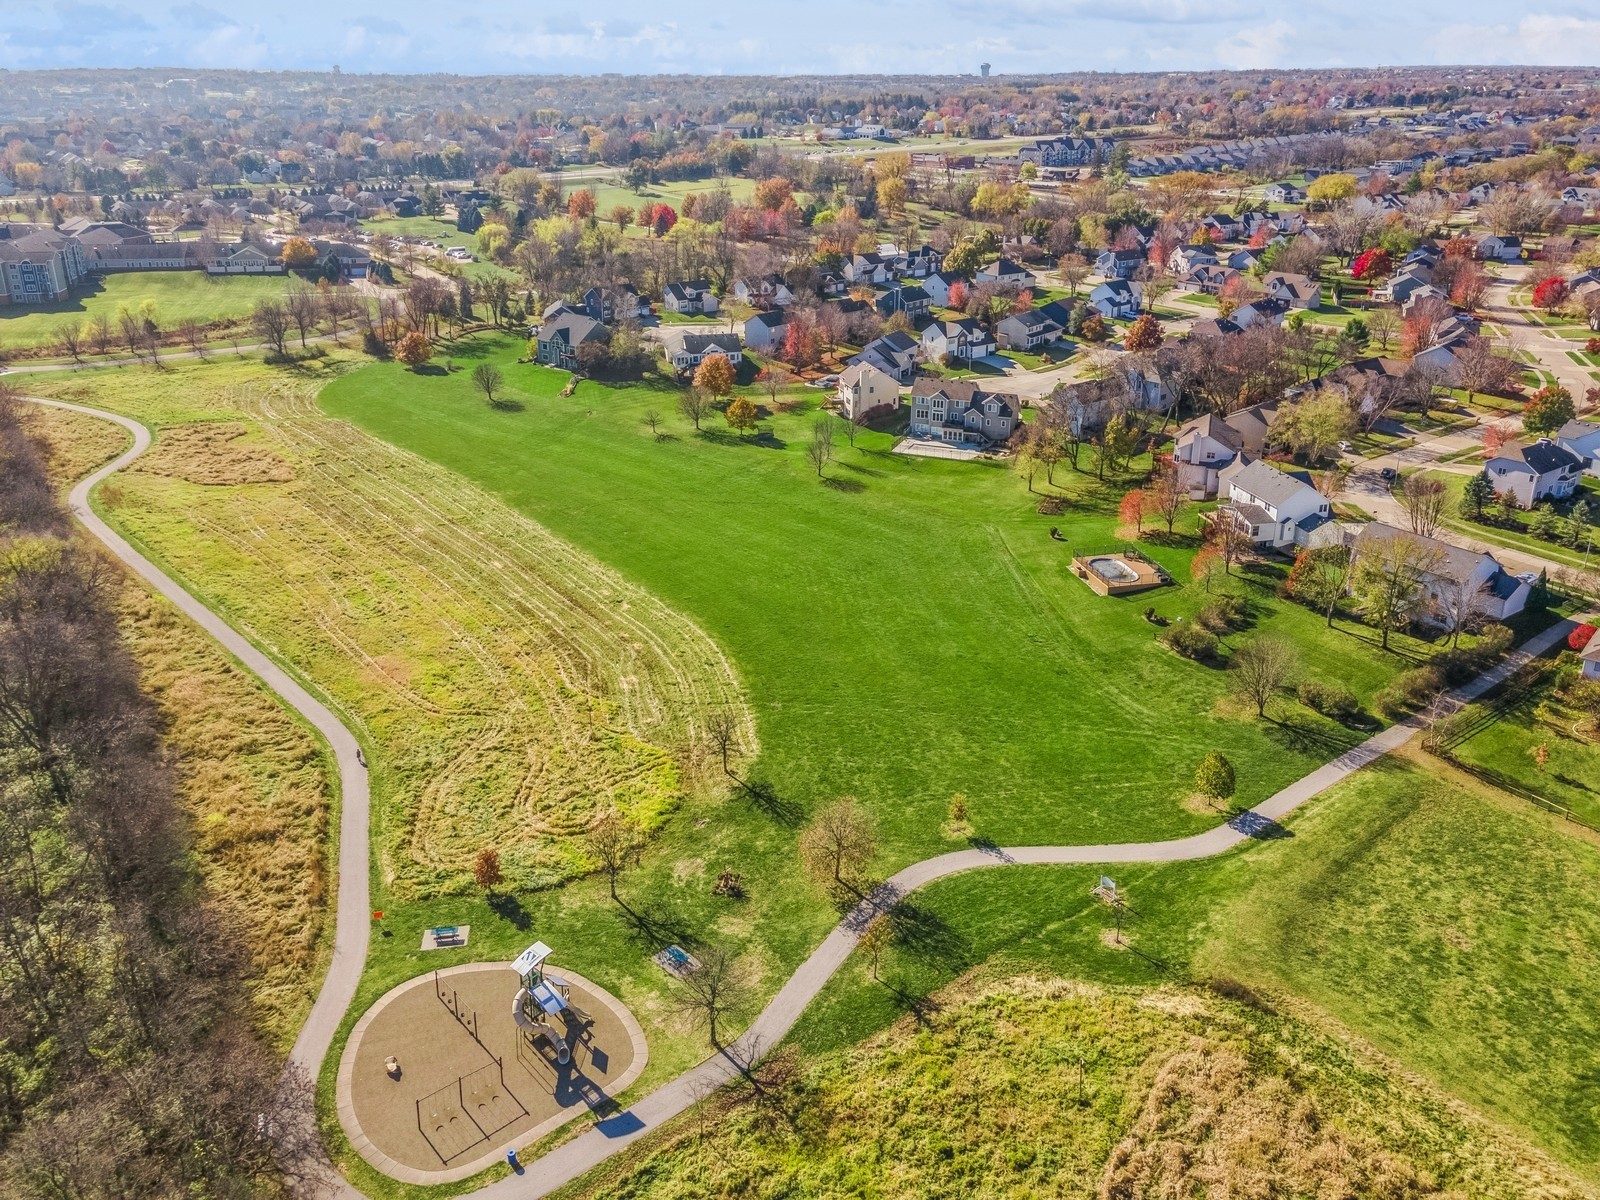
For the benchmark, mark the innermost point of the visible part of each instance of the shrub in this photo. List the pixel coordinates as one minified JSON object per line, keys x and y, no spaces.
{"x":1191,"y":641}
{"x":374,"y":346}
{"x":1410,"y":691}
{"x":1579,"y":637}
{"x":1214,"y":777}
{"x":1222,"y":614}
{"x":1330,"y":700}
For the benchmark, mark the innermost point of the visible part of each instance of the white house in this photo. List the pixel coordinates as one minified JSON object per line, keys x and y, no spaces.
{"x":1184,"y":259}
{"x":1267,"y":309}
{"x":1275,"y":508}
{"x":959,"y":411}
{"x":1006,"y":271}
{"x":1457,"y":583}
{"x":863,"y":388}
{"x":869,"y":268}
{"x":1299,"y":291}
{"x":766,"y":291}
{"x":962,"y":338}
{"x":691,"y":297}
{"x":1591,"y":658}
{"x":938,"y":285}
{"x":1583,"y":439}
{"x":686,"y":347}
{"x":1117,"y":298}
{"x":765,"y":331}
{"x":1203,"y":447}
{"x":1283,"y":193}
{"x":1497,"y":248}
{"x":1540,"y":471}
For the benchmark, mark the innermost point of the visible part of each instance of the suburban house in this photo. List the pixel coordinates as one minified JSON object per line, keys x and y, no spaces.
{"x":1243,"y":260}
{"x":245,"y":260}
{"x":1299,"y":291}
{"x":1116,"y":298}
{"x":1583,"y":439}
{"x":871,"y":268}
{"x":563,"y":332}
{"x":1027,"y":330}
{"x":1539,"y":471}
{"x":1006,"y":271}
{"x":1397,"y":289}
{"x":1266,"y":309}
{"x":1184,"y":259}
{"x":895,"y":354}
{"x":959,"y":411}
{"x":691,"y":297}
{"x":1118,"y":264}
{"x":863,"y":389}
{"x":1455,"y":580}
{"x":766,"y":291}
{"x":921,"y":262}
{"x":1209,"y":278}
{"x":1212,"y":327}
{"x":1274,"y":508}
{"x":620,"y":302}
{"x":765,"y":330}
{"x":908,"y":298}
{"x":1203,"y":447}
{"x":963,"y":338}
{"x":1088,"y":403}
{"x":938,"y":285}
{"x":1496,"y":247}
{"x":686,"y":347}
{"x":1283,"y":193}
{"x":1591,"y":659}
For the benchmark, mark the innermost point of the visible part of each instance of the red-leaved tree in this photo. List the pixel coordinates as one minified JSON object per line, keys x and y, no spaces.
{"x":1371,"y":264}
{"x":1550,"y":292}
{"x":1579,"y":637}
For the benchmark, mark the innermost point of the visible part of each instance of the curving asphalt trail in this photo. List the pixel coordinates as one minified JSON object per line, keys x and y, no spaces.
{"x":593,"y":1147}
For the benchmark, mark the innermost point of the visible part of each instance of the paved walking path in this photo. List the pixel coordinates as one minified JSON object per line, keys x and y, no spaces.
{"x":593,"y":1147}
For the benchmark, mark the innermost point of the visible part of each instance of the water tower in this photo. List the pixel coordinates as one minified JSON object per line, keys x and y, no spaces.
{"x":984,"y":69}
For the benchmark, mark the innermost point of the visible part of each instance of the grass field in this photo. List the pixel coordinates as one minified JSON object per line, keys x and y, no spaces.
{"x":252,"y":778}
{"x":1039,"y":1087}
{"x":907,"y":629}
{"x":177,"y":295}
{"x":1445,"y":923}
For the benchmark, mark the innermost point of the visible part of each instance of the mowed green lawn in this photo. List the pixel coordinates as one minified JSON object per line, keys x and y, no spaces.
{"x":177,"y":295}
{"x":1450,"y":926}
{"x":907,"y":629}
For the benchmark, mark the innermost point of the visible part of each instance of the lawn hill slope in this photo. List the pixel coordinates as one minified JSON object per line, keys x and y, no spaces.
{"x":906,"y":628}
{"x":513,"y":685}
{"x":1038,"y":1087}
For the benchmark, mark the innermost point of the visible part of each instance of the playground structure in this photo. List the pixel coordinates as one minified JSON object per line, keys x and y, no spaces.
{"x":436,"y":1082}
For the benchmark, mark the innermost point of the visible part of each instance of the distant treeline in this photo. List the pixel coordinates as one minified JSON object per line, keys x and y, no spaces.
{"x":128,"y":1066}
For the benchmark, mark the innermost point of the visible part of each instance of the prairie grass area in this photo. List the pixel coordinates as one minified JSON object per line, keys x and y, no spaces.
{"x":1443,"y":922}
{"x":251,"y":777}
{"x":214,"y":301}
{"x":1025,"y":1086}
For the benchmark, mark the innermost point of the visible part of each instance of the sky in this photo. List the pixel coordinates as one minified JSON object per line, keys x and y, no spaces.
{"x":795,"y":36}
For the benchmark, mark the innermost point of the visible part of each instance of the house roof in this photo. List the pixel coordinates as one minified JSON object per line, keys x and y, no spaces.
{"x":1214,"y":327}
{"x":772,"y":320}
{"x":1573,"y":430}
{"x":684,"y":341}
{"x":1451,"y":562}
{"x":1032,"y":319}
{"x":899,"y":343}
{"x":1541,"y":457}
{"x":1268,"y":484}
{"x":964,"y":392}
{"x":572,"y":328}
{"x":1214,"y":427}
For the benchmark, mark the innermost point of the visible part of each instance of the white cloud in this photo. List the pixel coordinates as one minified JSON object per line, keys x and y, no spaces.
{"x":1546,"y":39}
{"x":1255,"y":46}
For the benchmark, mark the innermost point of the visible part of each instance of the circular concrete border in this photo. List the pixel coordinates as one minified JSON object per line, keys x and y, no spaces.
{"x":398,"y":1170}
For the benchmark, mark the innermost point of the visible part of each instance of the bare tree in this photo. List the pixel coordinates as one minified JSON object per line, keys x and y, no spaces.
{"x":1167,"y":494}
{"x":694,"y":404}
{"x":1459,"y":605}
{"x":1259,"y":668}
{"x":723,"y":731}
{"x":615,"y":843}
{"x":70,"y":338}
{"x":303,"y":308}
{"x":875,"y":939}
{"x":714,"y":991}
{"x":271,"y":321}
{"x":653,"y":419}
{"x":486,"y":377}
{"x":819,"y":450}
{"x":193,"y":335}
{"x":1423,"y":498}
{"x":839,"y":841}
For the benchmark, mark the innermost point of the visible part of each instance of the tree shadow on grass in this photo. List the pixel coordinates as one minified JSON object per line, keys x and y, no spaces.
{"x":655,"y":924}
{"x":871,"y":472}
{"x":765,"y":797}
{"x":509,"y":909}
{"x":924,"y":934}
{"x":1257,"y":827}
{"x":849,"y":486}
{"x":430,"y":369}
{"x":507,"y":405}
{"x":1300,"y":735}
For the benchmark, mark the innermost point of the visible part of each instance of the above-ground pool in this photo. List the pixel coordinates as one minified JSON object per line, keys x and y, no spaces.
{"x":1113,"y":570}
